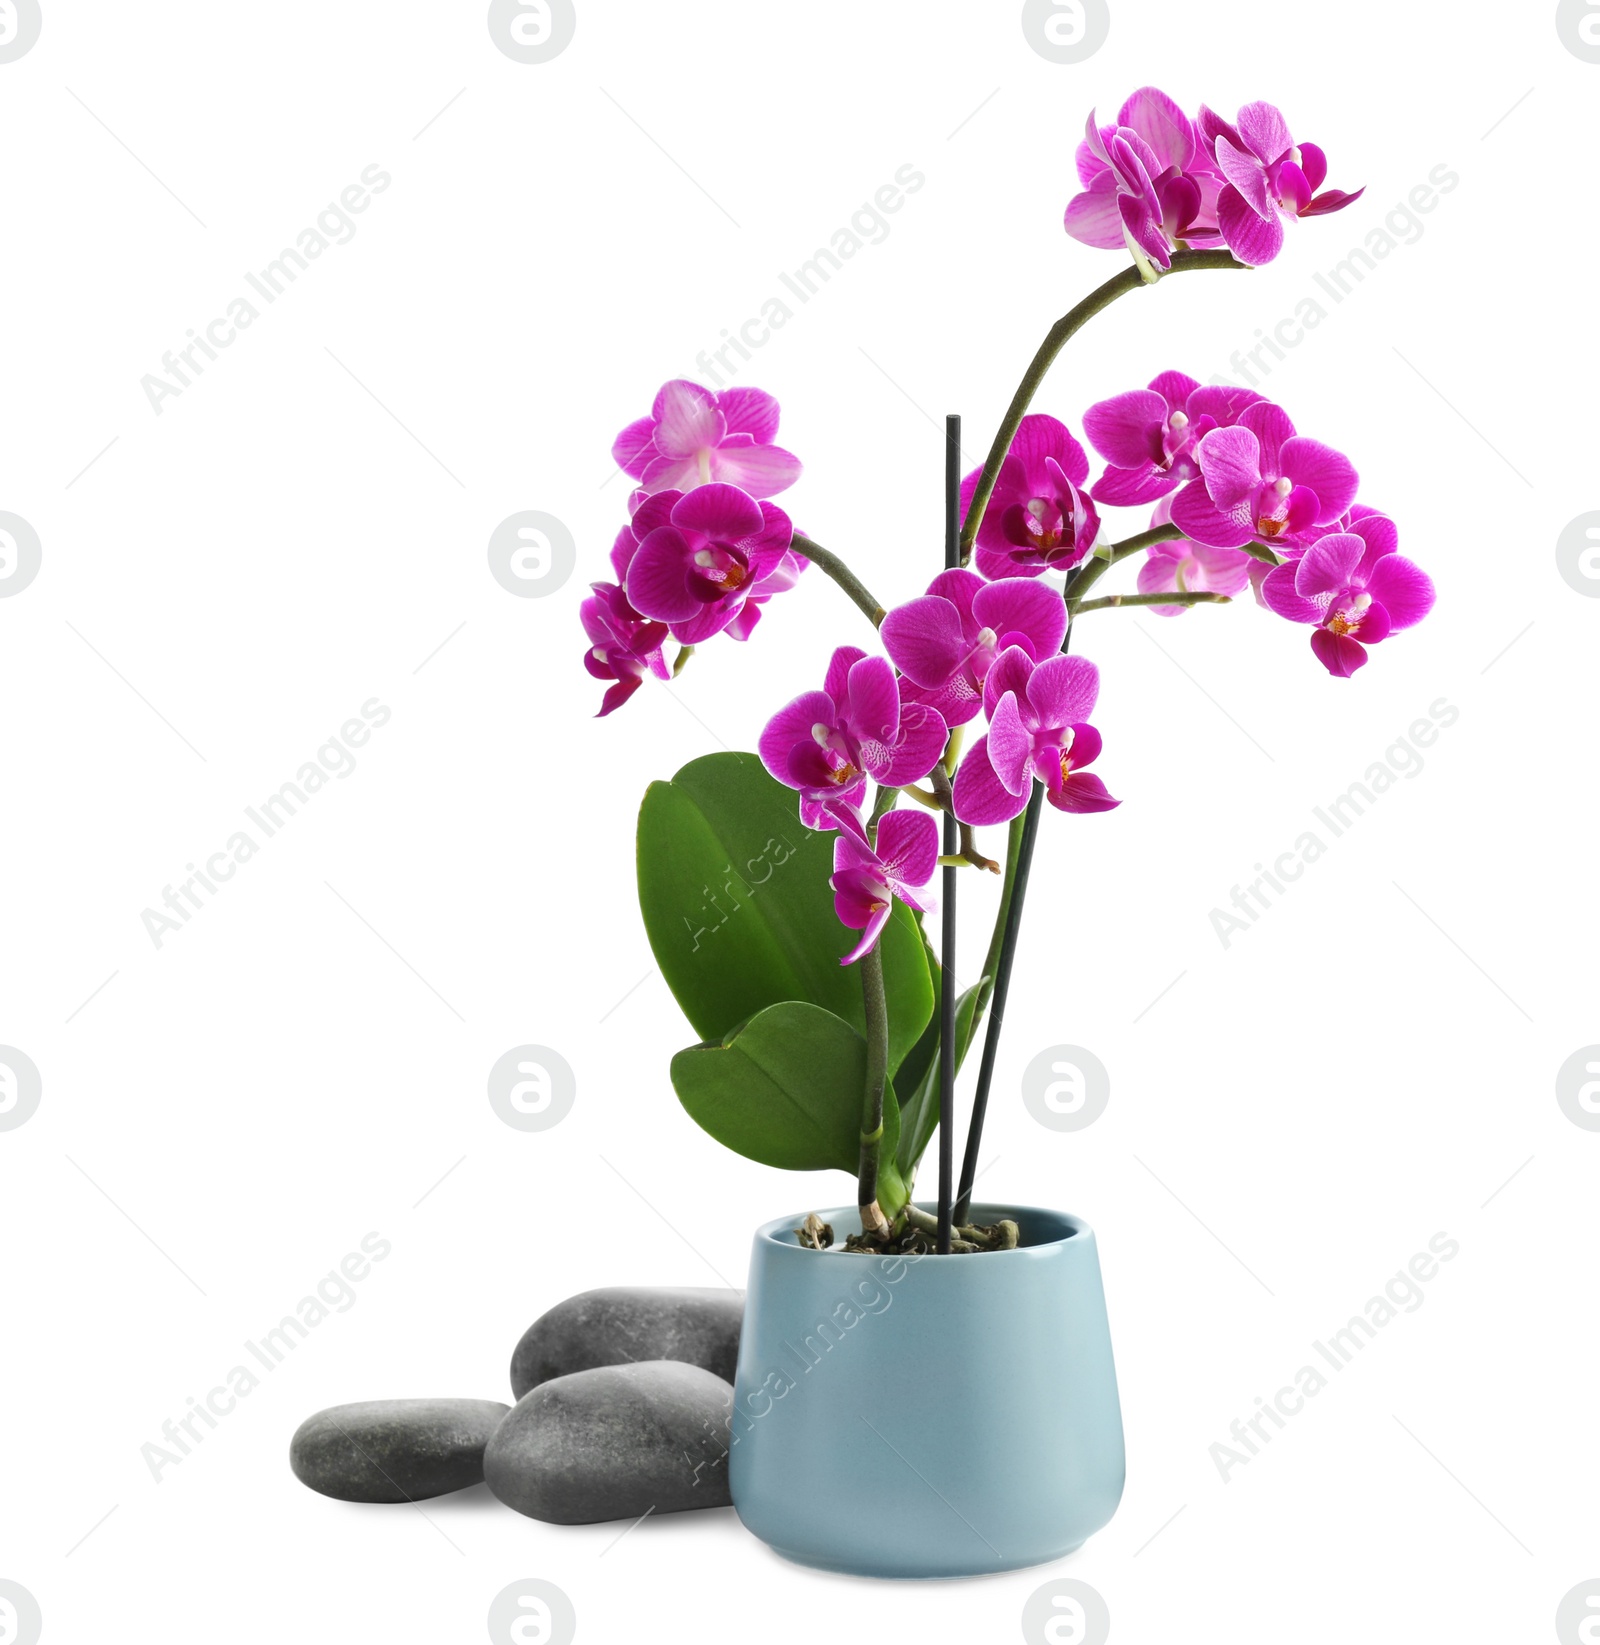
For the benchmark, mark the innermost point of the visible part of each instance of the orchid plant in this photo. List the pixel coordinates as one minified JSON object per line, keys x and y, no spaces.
{"x":757,"y":915}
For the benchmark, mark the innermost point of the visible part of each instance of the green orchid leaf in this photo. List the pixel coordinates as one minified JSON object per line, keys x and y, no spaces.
{"x":735,"y":897}
{"x":785,"y":1089}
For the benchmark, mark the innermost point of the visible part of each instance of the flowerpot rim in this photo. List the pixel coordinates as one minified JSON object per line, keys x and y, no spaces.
{"x":1061,"y":1226}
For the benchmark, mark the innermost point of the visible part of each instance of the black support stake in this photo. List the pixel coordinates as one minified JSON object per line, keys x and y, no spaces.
{"x":947,"y":949}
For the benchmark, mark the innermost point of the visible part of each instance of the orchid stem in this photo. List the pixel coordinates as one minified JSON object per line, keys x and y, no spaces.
{"x":997,"y":965}
{"x":685,"y":652}
{"x":1055,"y":340}
{"x":1106,"y":602}
{"x":842,"y":575}
{"x":1092,"y":570}
{"x":876,"y":1011}
{"x":970,"y":852}
{"x":1022,"y":857}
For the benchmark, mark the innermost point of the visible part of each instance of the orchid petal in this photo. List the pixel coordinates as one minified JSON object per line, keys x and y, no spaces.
{"x":908,"y":846}
{"x":1200,"y":520}
{"x":1063,"y":691}
{"x":998,"y":564}
{"x":960,"y":587}
{"x":1403,"y":589}
{"x":1253,"y":238}
{"x":1327,"y":472}
{"x":1083,"y":793}
{"x":1039,"y":438}
{"x":1293,"y":190}
{"x":634,"y":447}
{"x":926,"y":640}
{"x":1272,"y":426}
{"x":1221,"y":401}
{"x":979,"y":797}
{"x":1378,"y":531}
{"x":1012,"y":607}
{"x":719,"y":511}
{"x":1374,"y":624}
{"x":1338,"y":653}
{"x":1277,"y":593}
{"x":618,"y":695}
{"x":762,"y":470}
{"x":1093,"y":217}
{"x":791,"y":726}
{"x":1230,"y":462}
{"x":1249,"y":180}
{"x":678,"y":474}
{"x":749,"y":411}
{"x":1126,"y":429}
{"x":837,"y":680}
{"x":1133,"y":487}
{"x":653,"y":513}
{"x":873,"y":701}
{"x":1086,"y":746}
{"x":1174,"y":387}
{"x":955,"y":703}
{"x":1142,"y":220}
{"x":1324,"y":205}
{"x":1211,"y":126}
{"x":1265,"y":131}
{"x":1328,"y":564}
{"x":1009,"y":673}
{"x":658,"y":583}
{"x":1010,"y":744}
{"x":708,"y":623}
{"x":1162,"y":124}
{"x":918,"y":749}
{"x":687,"y":419}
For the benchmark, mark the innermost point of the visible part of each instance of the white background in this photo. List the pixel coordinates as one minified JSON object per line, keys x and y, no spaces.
{"x":1294,"y":1117}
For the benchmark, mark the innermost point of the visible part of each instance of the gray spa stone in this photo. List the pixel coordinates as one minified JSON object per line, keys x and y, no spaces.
{"x":614,"y":1442}
{"x":624,"y":1323}
{"x":395,"y":1450}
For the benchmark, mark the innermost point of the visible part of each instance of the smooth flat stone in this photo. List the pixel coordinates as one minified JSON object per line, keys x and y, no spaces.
{"x":395,"y":1450}
{"x":612,"y":1442}
{"x":625,"y":1323}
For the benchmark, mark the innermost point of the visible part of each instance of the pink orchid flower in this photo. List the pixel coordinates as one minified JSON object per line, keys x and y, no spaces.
{"x":827,"y":743}
{"x":1269,"y":178}
{"x":1261,"y":480}
{"x":1290,"y":553}
{"x":693,"y":437}
{"x":1037,"y":728}
{"x":1148,"y":182}
{"x":867,"y":879}
{"x":1355,"y":588}
{"x":945,"y":643}
{"x":1039,"y":518}
{"x":623,"y":646}
{"x":1148,"y":435}
{"x":707,"y":559}
{"x":1181,"y":567}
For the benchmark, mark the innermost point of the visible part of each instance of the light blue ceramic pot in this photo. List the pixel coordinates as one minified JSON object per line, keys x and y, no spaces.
{"x":927,"y":1417}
